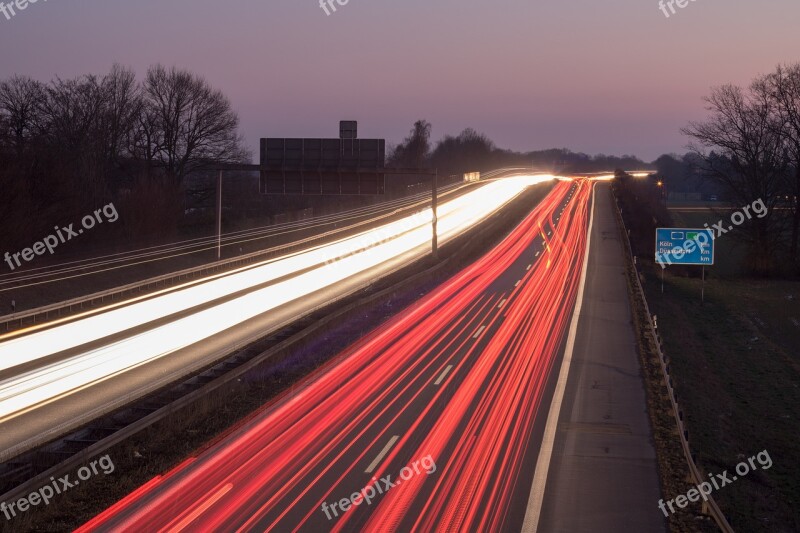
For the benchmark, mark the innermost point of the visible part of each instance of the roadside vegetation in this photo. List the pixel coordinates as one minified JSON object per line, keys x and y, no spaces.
{"x":734,"y":357}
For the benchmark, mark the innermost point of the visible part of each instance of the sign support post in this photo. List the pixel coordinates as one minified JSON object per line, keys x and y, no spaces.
{"x":219,"y":215}
{"x":703,"y":288}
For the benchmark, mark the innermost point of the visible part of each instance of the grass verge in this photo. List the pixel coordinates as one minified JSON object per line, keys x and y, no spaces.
{"x":736,"y":367}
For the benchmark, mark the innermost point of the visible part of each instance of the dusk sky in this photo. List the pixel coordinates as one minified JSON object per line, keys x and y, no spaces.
{"x":613,"y":76}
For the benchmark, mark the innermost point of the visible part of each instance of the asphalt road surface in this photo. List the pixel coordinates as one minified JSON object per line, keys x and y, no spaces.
{"x":436,"y":420}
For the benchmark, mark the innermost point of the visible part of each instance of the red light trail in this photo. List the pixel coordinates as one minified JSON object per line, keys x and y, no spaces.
{"x":494,"y":340}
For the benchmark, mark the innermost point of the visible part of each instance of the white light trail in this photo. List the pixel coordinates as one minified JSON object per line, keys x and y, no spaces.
{"x":26,"y":391}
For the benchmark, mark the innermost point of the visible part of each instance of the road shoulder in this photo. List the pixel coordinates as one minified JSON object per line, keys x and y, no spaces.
{"x":603,"y":472}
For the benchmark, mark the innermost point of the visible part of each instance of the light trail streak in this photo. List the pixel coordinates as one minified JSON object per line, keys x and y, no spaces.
{"x":302,"y":451}
{"x":307,"y":273}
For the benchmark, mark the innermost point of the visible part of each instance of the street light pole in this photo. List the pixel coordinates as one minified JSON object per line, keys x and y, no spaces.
{"x":434,"y":208}
{"x":219,"y":215}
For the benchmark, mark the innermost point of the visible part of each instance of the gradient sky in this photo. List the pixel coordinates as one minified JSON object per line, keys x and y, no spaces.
{"x":598,"y":76}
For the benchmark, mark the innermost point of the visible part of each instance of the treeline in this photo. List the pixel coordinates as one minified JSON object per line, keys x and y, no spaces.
{"x":70,"y":146}
{"x":471,"y":151}
{"x":747,"y":150}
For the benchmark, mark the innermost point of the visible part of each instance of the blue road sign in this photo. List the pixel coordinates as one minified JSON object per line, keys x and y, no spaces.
{"x":684,"y":246}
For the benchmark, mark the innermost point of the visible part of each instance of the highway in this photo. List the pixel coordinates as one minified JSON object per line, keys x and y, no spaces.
{"x":274,"y":235}
{"x":230,"y":242}
{"x":433,"y":421}
{"x":56,"y":376}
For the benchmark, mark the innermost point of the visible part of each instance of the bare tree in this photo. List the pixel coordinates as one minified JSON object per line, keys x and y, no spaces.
{"x":781,"y":91}
{"x":186,"y":125}
{"x":415,"y":149}
{"x":72,"y":140}
{"x":20,"y":100}
{"x":748,"y":158}
{"x":19,"y":107}
{"x":122,"y":104}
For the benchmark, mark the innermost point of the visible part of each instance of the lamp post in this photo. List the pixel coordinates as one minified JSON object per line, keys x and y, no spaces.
{"x":219,"y":215}
{"x":434,"y":208}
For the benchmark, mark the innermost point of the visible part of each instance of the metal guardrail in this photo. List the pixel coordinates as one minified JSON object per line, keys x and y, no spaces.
{"x":164,"y":280}
{"x":711,"y":506}
{"x":59,"y":307}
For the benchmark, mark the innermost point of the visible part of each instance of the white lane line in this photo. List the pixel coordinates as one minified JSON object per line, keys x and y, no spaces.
{"x":501,"y":304}
{"x":374,"y":464}
{"x":537,"y":254}
{"x":191,"y":517}
{"x":517,"y":283}
{"x":444,"y":374}
{"x":478,"y":334}
{"x":534,"y":510}
{"x":529,"y":267}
